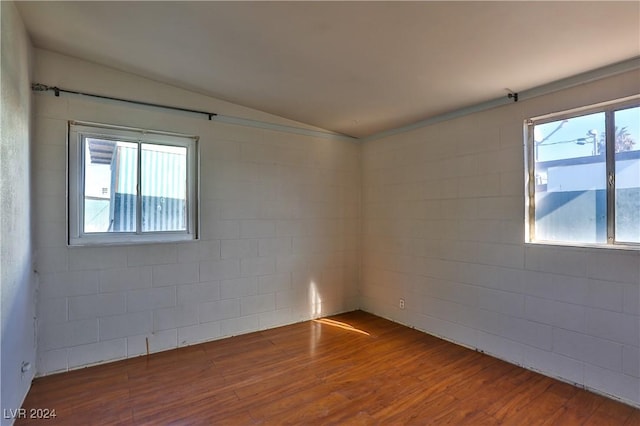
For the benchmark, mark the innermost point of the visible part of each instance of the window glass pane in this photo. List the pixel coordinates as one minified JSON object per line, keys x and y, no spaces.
{"x":164,"y":188}
{"x":627,"y":130}
{"x":110,"y":176}
{"x":570,"y":175}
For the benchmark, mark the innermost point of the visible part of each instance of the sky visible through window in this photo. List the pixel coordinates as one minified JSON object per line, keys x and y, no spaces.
{"x":579,"y":136}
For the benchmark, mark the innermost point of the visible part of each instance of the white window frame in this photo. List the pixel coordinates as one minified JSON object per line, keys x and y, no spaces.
{"x":77,"y":133}
{"x":609,"y":108}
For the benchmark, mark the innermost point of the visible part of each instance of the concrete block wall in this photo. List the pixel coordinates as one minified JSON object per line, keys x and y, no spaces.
{"x":444,"y":228}
{"x":279,"y":230}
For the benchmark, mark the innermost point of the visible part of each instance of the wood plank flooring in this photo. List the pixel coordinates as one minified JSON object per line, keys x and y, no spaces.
{"x":354,"y":368}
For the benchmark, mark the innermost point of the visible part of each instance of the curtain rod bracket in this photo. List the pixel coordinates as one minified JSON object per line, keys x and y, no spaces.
{"x":513,"y":96}
{"x":39,"y":87}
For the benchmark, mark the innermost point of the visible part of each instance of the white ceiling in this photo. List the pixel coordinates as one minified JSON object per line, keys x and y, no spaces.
{"x":352,"y":67}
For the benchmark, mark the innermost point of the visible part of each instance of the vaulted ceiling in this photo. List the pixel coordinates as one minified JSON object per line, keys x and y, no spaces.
{"x":352,"y":67}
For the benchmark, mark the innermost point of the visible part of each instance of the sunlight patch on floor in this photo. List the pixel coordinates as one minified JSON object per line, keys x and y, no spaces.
{"x":342,"y":325}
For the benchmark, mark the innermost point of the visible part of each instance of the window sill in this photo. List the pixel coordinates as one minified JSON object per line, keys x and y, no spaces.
{"x":617,"y":247}
{"x":107,"y":240}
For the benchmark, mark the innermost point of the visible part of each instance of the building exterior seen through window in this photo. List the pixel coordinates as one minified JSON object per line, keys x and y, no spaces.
{"x":164,"y":193}
{"x":130,"y":186}
{"x":584,"y":176}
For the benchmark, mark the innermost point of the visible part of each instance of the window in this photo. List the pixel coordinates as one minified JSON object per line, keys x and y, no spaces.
{"x":131,"y":186}
{"x":584,"y":176}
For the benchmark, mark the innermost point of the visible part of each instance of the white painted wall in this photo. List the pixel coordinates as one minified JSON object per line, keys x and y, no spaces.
{"x":443,"y":227}
{"x":279,"y":227}
{"x":17,"y":281}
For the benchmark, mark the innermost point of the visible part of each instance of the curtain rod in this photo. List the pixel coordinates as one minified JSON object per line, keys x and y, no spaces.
{"x":38,"y":87}
{"x":545,"y":89}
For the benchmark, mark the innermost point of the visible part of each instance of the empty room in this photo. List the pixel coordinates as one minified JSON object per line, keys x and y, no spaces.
{"x":320,"y":213}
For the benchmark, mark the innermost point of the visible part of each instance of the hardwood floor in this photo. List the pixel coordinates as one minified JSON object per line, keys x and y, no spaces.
{"x":354,"y":368}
